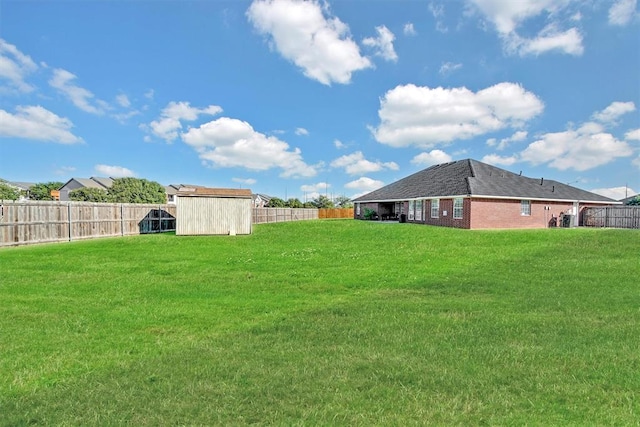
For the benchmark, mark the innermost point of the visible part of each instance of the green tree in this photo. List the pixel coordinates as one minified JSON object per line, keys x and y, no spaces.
{"x":343,"y":202}
{"x":42,"y":190}
{"x":323,"y":202}
{"x":308,"y":205}
{"x":634,"y":202}
{"x":294,"y":203}
{"x":276,"y":202}
{"x":8,"y":193}
{"x":89,"y":195}
{"x":136,"y":190}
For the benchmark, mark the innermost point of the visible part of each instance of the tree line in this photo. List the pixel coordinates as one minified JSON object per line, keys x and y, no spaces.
{"x":320,"y":202}
{"x":137,"y":190}
{"x":123,"y":190}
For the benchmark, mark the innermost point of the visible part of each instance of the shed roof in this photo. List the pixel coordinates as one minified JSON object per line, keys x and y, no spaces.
{"x":476,"y":179}
{"x":238,"y":193}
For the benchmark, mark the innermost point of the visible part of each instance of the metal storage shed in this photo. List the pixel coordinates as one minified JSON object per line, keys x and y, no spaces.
{"x":203,"y":211}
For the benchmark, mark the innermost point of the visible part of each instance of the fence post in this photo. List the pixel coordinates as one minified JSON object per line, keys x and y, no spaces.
{"x":69,"y":218}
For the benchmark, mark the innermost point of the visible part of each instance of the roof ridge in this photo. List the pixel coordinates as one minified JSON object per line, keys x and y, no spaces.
{"x":473,"y":175}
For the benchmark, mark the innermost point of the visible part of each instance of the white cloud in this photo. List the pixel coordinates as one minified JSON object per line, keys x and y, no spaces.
{"x":424,"y":117}
{"x":313,"y":191}
{"x":356,"y":164}
{"x":82,"y":98}
{"x":550,"y":39}
{"x":302,"y":131}
{"x":364,"y":185}
{"x":169,"y":124}
{"x":581,"y":149}
{"x":339,"y":144}
{"x":615,"y":193}
{"x":37,"y":123}
{"x":149,"y":94}
{"x":315,"y":188}
{"x":15,"y":67}
{"x":123,"y":101}
{"x":437,"y":10}
{"x":520,"y":135}
{"x":632,"y":135}
{"x":299,"y":30}
{"x":383,"y":44}
{"x":509,"y":16}
{"x":408,"y":29}
{"x":622,"y":12}
{"x":434,"y":157}
{"x":616,"y":109}
{"x":123,"y":117}
{"x":636,"y":162}
{"x":494,"y":159}
{"x":245,"y":181}
{"x":448,"y":68}
{"x":114,"y":171}
{"x":227,"y":142}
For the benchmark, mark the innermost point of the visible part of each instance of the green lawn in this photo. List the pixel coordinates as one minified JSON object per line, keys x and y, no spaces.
{"x":334,"y":322}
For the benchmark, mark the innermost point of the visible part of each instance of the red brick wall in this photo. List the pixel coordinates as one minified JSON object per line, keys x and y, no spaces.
{"x":446,"y":205}
{"x":487,"y":213}
{"x":497,"y":213}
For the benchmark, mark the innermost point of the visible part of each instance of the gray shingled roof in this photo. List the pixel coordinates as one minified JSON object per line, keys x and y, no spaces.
{"x":473,"y":178}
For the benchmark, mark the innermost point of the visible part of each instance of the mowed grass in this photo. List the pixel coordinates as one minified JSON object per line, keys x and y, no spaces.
{"x":324,"y":323}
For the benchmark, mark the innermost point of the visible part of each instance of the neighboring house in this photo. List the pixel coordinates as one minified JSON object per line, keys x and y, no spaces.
{"x":106,"y":183}
{"x":628,"y":199}
{"x":23,"y":187}
{"x":474,"y":195}
{"x":75,"y":183}
{"x":173,"y":189}
{"x":204,"y":211}
{"x":260,"y":200}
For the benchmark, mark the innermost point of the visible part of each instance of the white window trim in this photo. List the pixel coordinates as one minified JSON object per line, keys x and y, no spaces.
{"x":458,"y":213}
{"x":419,"y":208}
{"x":525,"y":211}
{"x":435,"y":203}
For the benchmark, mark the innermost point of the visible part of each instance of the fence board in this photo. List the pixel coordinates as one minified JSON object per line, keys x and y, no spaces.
{"x":29,"y":222}
{"x":612,"y":216}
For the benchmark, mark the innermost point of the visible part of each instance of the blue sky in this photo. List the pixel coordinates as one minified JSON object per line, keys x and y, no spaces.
{"x":300,"y":98}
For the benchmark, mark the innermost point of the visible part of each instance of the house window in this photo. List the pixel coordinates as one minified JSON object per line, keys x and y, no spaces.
{"x":457,"y":208}
{"x":358,"y":209}
{"x":435,"y":208}
{"x":412,"y":206}
{"x":525,"y":207}
{"x":418,"y":210}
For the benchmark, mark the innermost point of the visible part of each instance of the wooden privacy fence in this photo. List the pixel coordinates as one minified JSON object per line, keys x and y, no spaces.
{"x":612,"y":216}
{"x":335,"y":213}
{"x":263,"y":215}
{"x":30,"y":222}
{"x":42,"y":222}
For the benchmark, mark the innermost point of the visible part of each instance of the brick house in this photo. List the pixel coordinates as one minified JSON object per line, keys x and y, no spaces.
{"x":474,"y":195}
